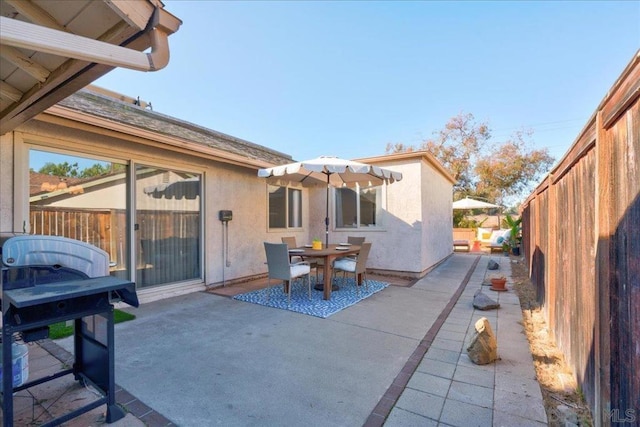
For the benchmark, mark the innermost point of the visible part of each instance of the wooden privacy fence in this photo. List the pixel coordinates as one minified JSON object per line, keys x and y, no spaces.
{"x":581,"y":230}
{"x":103,"y":228}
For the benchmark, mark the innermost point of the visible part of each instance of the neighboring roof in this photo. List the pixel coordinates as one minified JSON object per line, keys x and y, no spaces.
{"x":45,"y":187}
{"x":50,"y":49}
{"x":40,"y":183}
{"x":113,"y":110}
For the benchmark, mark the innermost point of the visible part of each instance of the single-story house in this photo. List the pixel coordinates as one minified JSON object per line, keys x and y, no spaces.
{"x":154,"y":186}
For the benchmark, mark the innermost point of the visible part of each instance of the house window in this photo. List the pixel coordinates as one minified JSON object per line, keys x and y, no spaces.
{"x":358,"y":207}
{"x":285,"y":207}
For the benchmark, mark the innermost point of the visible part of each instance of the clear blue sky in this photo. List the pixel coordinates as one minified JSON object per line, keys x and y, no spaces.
{"x":347,"y":77}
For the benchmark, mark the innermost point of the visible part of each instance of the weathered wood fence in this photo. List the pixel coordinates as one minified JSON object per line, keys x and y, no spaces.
{"x":581,"y":230}
{"x":106,"y":228}
{"x":103,"y":228}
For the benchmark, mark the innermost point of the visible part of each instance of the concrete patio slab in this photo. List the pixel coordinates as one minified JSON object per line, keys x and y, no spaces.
{"x":395,"y":359}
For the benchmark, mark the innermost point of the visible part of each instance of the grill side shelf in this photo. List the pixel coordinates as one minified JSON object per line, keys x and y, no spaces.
{"x":53,"y":292}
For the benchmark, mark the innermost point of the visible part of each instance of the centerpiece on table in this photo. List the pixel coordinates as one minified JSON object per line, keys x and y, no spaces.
{"x":316,"y":244}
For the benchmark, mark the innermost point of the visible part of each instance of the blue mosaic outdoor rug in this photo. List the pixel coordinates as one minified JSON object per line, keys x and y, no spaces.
{"x":342,"y":298}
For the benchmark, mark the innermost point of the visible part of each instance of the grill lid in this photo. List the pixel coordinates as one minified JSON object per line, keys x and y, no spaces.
{"x":69,"y":268}
{"x":39,"y":250}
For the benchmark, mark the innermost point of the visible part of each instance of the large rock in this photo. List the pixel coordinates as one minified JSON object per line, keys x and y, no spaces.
{"x":492,"y":265}
{"x":483,"y":348}
{"x":482,"y":302}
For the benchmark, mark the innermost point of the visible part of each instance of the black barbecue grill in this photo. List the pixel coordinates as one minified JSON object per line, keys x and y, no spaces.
{"x":50,"y":279}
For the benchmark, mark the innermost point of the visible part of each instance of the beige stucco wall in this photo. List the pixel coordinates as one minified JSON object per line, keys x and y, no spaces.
{"x":419,"y":233}
{"x":397,"y":249}
{"x":226,"y":187}
{"x":437,"y":229}
{"x":416,"y":224}
{"x":241,"y":191}
{"x":395,"y":243}
{"x":414,"y":236}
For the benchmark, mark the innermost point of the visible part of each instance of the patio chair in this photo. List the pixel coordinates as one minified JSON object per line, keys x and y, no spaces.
{"x":356,"y":265}
{"x":291,"y":243}
{"x":280,"y":268}
{"x":313,"y":262}
{"x":355,"y":240}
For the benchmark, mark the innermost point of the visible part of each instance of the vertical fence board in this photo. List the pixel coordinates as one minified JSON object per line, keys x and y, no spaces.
{"x":625,"y":286}
{"x":604,"y":271}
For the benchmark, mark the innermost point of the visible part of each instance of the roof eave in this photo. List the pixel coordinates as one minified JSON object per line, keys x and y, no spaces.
{"x":408,"y":155}
{"x":149,"y":27}
{"x":62,"y":115}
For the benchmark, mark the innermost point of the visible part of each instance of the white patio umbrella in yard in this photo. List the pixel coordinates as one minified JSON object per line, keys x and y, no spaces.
{"x":332,"y":171}
{"x":469,"y":203}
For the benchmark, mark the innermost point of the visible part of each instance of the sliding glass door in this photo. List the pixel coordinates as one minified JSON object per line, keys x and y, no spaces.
{"x":86,"y":198}
{"x":167,"y":226}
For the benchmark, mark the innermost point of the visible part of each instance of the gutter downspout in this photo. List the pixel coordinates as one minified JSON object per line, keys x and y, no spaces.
{"x":35,"y":37}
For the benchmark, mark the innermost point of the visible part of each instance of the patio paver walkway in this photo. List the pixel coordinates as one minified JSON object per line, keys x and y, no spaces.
{"x":447,"y":388}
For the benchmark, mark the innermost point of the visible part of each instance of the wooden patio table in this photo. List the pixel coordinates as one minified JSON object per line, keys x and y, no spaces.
{"x":329,"y":254}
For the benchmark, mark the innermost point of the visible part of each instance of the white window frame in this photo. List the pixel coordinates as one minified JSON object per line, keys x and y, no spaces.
{"x":297,"y":206}
{"x":379,"y":209}
{"x":65,"y":147}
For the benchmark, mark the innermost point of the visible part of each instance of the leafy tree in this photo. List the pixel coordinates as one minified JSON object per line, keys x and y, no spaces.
{"x":509,"y":170}
{"x":461,"y":220}
{"x":67,"y":170}
{"x":64,"y":169}
{"x":494,"y":172}
{"x":399,"y":147}
{"x":456,"y":147}
{"x":96,"y":169}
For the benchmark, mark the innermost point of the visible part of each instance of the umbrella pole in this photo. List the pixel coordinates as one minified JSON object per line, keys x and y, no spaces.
{"x":326,"y":218}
